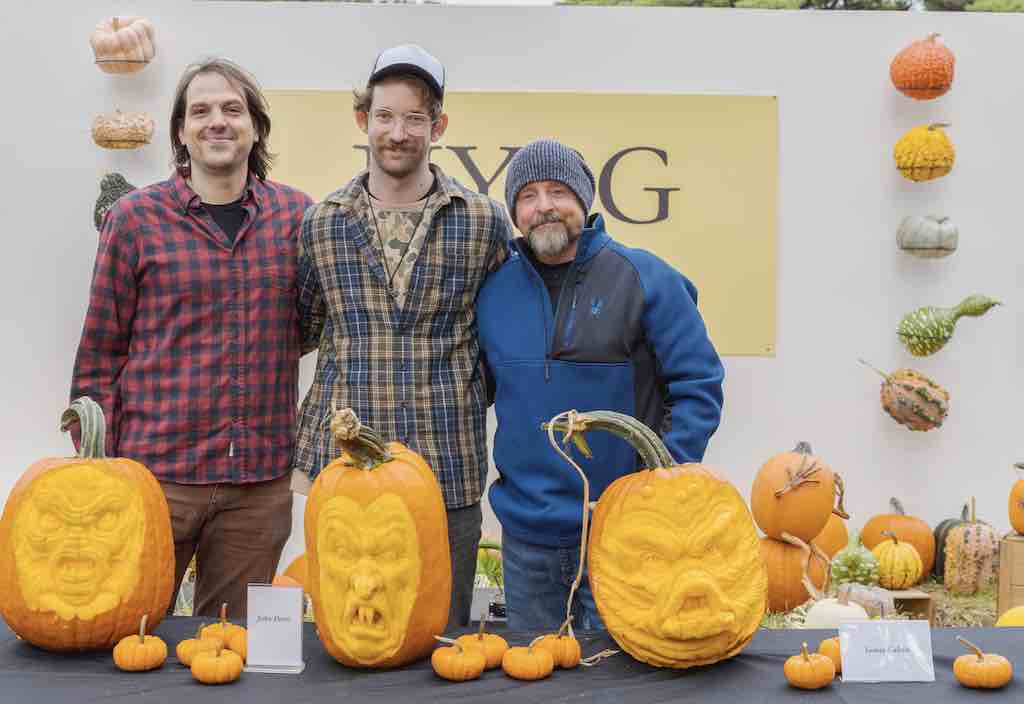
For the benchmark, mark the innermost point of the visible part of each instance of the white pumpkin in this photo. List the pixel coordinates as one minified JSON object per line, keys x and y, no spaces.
{"x":829,"y":613}
{"x":928,"y":236}
{"x":123,"y":44}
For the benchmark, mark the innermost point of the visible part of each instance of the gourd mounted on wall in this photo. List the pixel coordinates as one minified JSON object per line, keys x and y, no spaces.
{"x":912,"y":399}
{"x":928,"y":236}
{"x":925,"y":152}
{"x":123,"y":44}
{"x":926,"y":330}
{"x":924,"y":70}
{"x":112,"y":187}
{"x":122,"y":130}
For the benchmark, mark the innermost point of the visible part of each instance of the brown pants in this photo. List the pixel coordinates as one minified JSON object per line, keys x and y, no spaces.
{"x":236,"y":532}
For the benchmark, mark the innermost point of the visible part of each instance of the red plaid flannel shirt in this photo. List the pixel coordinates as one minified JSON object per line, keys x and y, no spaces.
{"x":191,"y":343}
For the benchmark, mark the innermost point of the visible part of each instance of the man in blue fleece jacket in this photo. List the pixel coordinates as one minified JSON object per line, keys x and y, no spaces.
{"x":575,"y":320}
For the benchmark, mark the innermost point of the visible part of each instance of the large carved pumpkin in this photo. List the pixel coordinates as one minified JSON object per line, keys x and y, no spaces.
{"x":86,"y":549}
{"x":909,"y":529}
{"x":674,"y":563}
{"x":794,"y":493}
{"x":378,"y":566}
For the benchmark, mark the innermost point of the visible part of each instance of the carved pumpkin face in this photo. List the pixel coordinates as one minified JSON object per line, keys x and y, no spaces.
{"x":675,"y":566}
{"x":86,"y":548}
{"x":378,"y":566}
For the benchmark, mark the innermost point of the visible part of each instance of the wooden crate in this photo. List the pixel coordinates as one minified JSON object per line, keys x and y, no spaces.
{"x":915,"y":603}
{"x":1011,"y":573}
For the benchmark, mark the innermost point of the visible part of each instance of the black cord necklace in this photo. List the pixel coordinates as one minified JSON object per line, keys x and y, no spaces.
{"x":380,"y":238}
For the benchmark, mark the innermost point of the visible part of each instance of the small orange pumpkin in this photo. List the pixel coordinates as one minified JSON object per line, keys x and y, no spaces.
{"x":830,"y":649}
{"x":564,"y":649}
{"x":1016,"y":507}
{"x":923,"y":70}
{"x":527,"y":663}
{"x":187,"y":649}
{"x":809,"y":670}
{"x":794,"y":493}
{"x":239,"y":642}
{"x":137,"y":653}
{"x":491,"y":645}
{"x":220,"y":666}
{"x":457,"y":663}
{"x":981,"y":670}
{"x":223,"y":629}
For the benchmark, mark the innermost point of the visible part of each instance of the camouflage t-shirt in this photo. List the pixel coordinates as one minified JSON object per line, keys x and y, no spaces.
{"x":402,"y":231}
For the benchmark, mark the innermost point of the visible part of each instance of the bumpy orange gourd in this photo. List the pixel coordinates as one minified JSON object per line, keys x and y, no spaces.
{"x":981,"y":670}
{"x":527,"y":663}
{"x":833,"y":537}
{"x":456,"y":662}
{"x":830,"y":649}
{"x":923,"y":70}
{"x":137,"y":653}
{"x":675,"y":567}
{"x":188,"y":648}
{"x":899,"y":564}
{"x":564,"y":649}
{"x":1016,"y":507}
{"x":378,"y":565}
{"x":809,"y":670}
{"x":909,"y":529}
{"x":785,"y":569}
{"x":221,"y":666}
{"x":491,"y":645}
{"x":223,"y":629}
{"x":925,"y":152}
{"x":794,"y":493}
{"x":86,"y":548}
{"x":123,"y":44}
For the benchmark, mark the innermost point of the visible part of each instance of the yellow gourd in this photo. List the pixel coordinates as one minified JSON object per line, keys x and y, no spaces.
{"x":925,"y":153}
{"x":899,"y":564}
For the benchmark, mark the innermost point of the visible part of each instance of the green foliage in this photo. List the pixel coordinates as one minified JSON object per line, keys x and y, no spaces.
{"x":770,"y":4}
{"x":996,"y":6}
{"x":946,"y":5}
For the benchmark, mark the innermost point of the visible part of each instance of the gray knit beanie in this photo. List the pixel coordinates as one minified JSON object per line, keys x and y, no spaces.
{"x":548,"y":160}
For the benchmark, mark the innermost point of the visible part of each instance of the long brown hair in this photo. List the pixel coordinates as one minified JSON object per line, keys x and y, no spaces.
{"x":260,"y":158}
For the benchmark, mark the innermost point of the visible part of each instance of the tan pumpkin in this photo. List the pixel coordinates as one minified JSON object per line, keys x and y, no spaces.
{"x":456,"y":662}
{"x":794,"y":493}
{"x":1016,"y":503}
{"x":981,"y":670}
{"x":972,"y":555}
{"x":899,"y":564}
{"x":909,"y":529}
{"x":491,"y":645}
{"x":674,"y":564}
{"x":833,"y":537}
{"x":378,"y":564}
{"x":122,"y":130}
{"x":221,"y":666}
{"x":86,"y":548}
{"x":527,"y":663}
{"x":809,"y":670}
{"x":123,"y":44}
{"x":830,"y":649}
{"x":785,"y":565}
{"x":925,"y":152}
{"x":924,"y":70}
{"x":138,"y":653}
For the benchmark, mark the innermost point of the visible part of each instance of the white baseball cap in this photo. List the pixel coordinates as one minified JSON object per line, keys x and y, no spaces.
{"x":409,"y":58}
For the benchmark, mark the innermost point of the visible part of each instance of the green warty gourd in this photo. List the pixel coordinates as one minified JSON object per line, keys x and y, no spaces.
{"x":112,"y":187}
{"x":855,"y":564}
{"x":928,"y":329}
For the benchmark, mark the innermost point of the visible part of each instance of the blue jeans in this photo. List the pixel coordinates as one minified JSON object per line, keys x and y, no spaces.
{"x":537,"y":581}
{"x":463,"y":540}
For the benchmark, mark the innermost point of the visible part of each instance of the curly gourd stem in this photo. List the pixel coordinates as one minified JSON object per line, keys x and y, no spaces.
{"x":867,"y":364}
{"x":805,"y":579}
{"x":598,"y":657}
{"x":363,"y":444}
{"x":972,"y":646}
{"x":649,"y":446}
{"x":450,"y":641}
{"x":839,"y":488}
{"x":1019,"y":466}
{"x":93,"y":426}
{"x":803,"y":474}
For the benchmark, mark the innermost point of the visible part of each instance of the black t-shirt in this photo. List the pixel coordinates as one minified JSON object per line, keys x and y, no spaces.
{"x":553,"y":275}
{"x":229,"y":216}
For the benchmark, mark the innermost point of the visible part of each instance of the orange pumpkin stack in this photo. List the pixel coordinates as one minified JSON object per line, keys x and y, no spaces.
{"x":792,"y":501}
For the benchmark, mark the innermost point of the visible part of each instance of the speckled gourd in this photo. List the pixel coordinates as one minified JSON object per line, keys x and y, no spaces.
{"x":112,"y":187}
{"x":899,"y":563}
{"x":972,"y":556}
{"x":855,"y":564}
{"x":913,"y":399}
{"x":928,"y":236}
{"x":925,"y":153}
{"x":926,"y":330}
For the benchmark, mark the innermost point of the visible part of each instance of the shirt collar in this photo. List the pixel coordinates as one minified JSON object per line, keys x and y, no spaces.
{"x":187,"y":199}
{"x":349,"y":195}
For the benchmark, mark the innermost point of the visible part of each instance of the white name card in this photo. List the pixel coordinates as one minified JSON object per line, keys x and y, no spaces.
{"x":274,"y":619}
{"x":886,"y":651}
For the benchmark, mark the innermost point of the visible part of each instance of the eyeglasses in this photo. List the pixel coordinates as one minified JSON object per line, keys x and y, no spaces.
{"x":415,"y":123}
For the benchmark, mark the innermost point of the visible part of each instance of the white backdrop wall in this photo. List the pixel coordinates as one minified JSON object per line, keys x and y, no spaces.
{"x":842,"y":283}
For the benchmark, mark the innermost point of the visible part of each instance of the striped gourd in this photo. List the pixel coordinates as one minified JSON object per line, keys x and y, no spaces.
{"x":972,"y":556}
{"x":899,"y":563}
{"x":926,"y":330}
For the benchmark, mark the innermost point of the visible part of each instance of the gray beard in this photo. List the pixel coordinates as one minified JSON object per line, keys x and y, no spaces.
{"x":549,"y":242}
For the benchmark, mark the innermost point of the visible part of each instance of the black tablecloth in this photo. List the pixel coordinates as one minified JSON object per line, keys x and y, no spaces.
{"x":29,"y":675}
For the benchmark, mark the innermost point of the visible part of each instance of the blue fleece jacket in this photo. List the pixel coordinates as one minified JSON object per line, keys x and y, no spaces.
{"x":626,"y":336}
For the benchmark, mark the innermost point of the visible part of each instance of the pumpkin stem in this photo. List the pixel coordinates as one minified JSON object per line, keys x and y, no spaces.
{"x":867,"y":364}
{"x":199,"y":631}
{"x":803,"y":651}
{"x":561,"y":629}
{"x":649,"y":446}
{"x":363,"y":444}
{"x":89,"y":414}
{"x":933,"y":36}
{"x":839,"y":488}
{"x":223,"y":615}
{"x":803,"y":473}
{"x":598,"y":657}
{"x":889,"y":533}
{"x":933,"y":125}
{"x":142,"y":628}
{"x":974,"y":515}
{"x":483,"y":622}
{"x":972,"y":646}
{"x":114,"y":23}
{"x":450,"y":641}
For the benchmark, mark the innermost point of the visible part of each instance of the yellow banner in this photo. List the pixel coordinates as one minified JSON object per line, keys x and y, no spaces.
{"x":692,"y":178}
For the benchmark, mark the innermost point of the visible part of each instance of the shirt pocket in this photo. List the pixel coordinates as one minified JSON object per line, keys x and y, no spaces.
{"x":276,"y":265}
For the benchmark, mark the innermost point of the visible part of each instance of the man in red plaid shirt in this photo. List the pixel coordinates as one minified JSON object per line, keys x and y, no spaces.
{"x":191,"y":339}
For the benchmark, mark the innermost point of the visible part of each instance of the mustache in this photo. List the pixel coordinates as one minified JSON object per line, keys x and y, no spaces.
{"x":545,"y":219}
